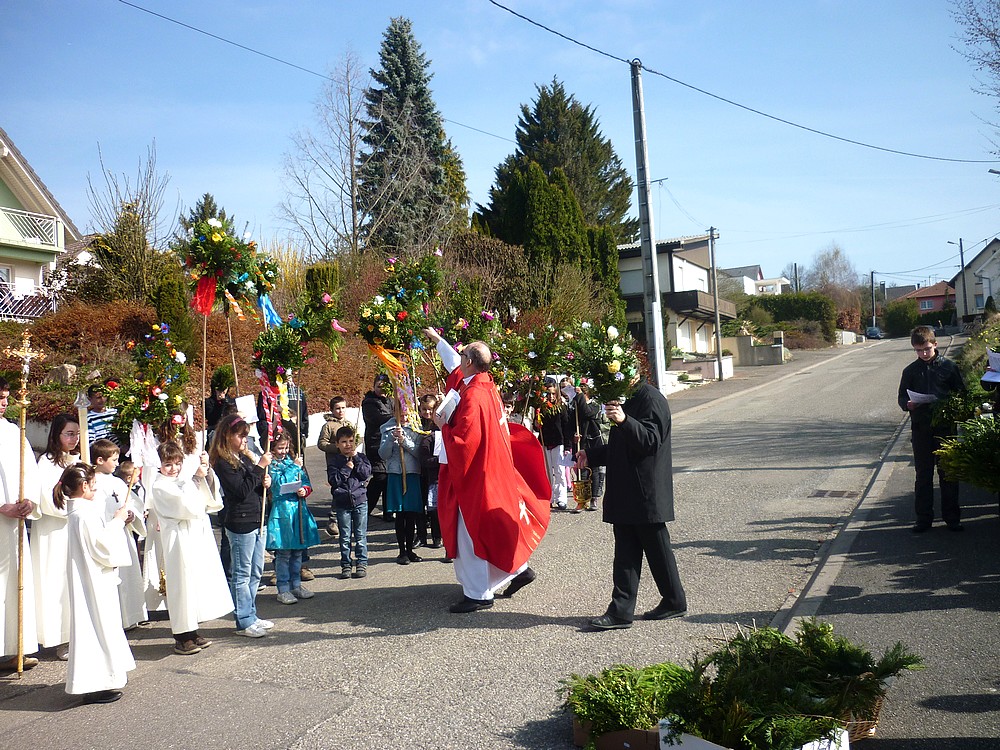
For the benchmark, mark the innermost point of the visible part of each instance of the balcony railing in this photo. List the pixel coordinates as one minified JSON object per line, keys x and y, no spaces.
{"x":21,"y":306}
{"x":38,"y":229}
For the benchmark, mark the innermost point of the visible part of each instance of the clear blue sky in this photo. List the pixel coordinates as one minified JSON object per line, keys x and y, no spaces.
{"x":78,"y":73}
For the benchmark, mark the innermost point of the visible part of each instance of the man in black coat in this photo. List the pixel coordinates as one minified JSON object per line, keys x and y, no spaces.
{"x":638,"y":502}
{"x":376,"y":410}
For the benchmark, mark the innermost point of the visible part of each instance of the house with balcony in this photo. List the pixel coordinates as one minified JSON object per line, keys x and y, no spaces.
{"x":34,"y":233}
{"x":688,"y":308}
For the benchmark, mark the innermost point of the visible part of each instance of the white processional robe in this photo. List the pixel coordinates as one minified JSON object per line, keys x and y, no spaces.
{"x":10,"y":469}
{"x":99,"y":654}
{"x":48,"y":560}
{"x":197,"y":589}
{"x":114,"y":492}
{"x":145,"y":445}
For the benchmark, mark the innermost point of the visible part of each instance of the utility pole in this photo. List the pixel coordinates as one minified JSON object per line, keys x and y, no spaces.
{"x":874,"y":324}
{"x":647,"y":239}
{"x":715,"y":300}
{"x":965,"y":291}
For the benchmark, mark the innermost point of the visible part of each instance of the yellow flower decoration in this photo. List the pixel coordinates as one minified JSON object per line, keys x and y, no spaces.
{"x":614,"y":366}
{"x":366,"y":313}
{"x":216,"y":237}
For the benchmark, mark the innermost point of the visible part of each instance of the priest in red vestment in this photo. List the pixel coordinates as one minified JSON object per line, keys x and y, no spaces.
{"x":493,"y":490}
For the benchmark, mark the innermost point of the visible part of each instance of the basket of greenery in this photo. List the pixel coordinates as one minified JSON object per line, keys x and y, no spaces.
{"x":975,"y":456}
{"x":760,"y":689}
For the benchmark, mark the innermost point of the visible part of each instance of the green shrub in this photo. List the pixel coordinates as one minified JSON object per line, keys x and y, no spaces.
{"x":900,"y":316}
{"x":174,"y":308}
{"x":801,"y":306}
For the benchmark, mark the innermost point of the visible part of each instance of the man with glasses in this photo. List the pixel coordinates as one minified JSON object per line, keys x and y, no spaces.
{"x":928,"y":379}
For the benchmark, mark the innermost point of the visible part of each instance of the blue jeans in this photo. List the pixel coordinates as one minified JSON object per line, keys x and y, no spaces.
{"x":288,"y":568}
{"x":353,"y":523}
{"x":247,"y":553}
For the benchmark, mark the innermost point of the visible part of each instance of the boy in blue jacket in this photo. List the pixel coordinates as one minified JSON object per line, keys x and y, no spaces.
{"x":348,"y":472}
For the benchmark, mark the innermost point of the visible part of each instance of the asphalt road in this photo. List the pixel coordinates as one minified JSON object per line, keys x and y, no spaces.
{"x":769,"y":467}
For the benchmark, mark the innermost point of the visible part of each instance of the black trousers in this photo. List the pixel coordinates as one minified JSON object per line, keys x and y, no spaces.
{"x":925,"y":442}
{"x":376,"y":489}
{"x":632,"y":541}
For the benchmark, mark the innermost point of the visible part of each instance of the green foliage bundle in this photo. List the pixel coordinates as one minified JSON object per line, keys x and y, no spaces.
{"x":802,"y":305}
{"x":158,"y":385}
{"x":278,"y":350}
{"x":959,"y":406}
{"x":900,"y":316}
{"x":223,"y":378}
{"x":414,"y":283}
{"x":974,"y":456}
{"x":760,"y":691}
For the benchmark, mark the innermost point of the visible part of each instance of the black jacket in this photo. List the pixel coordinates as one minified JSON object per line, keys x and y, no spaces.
{"x":586,"y":415}
{"x":939,"y":377}
{"x":555,"y":429}
{"x":376,"y":411}
{"x":242,"y":494}
{"x":640,"y":478}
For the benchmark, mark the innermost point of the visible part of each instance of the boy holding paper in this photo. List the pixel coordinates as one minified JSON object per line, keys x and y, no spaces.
{"x":924,"y":381}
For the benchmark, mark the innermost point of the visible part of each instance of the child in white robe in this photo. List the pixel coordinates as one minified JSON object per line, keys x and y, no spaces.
{"x":197,"y":589}
{"x":114,"y":492}
{"x":99,"y":654}
{"x":48,"y":537}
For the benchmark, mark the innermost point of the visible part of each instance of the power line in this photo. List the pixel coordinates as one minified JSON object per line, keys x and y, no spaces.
{"x":280,"y":60}
{"x":733,"y":103}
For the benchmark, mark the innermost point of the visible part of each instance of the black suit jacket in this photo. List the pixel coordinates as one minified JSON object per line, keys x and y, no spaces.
{"x":640,"y":478}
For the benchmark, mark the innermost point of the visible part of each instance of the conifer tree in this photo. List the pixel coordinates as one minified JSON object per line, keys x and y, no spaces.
{"x":412,"y":181}
{"x":557,"y":131}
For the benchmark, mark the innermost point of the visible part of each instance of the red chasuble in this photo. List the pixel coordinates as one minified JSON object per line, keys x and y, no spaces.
{"x":497,"y":478}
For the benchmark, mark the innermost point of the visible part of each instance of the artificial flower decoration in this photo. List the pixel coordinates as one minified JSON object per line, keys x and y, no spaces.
{"x":607,"y":357}
{"x":160,"y":377}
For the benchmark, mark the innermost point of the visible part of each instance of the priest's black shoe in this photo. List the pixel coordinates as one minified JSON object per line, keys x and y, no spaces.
{"x":609,"y":622}
{"x":663,"y":612}
{"x":518,"y":582}
{"x":102,"y":696}
{"x":470,"y":605}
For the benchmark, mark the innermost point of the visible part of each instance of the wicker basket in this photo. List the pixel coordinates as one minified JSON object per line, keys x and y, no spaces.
{"x":863,"y":729}
{"x":583,"y":490}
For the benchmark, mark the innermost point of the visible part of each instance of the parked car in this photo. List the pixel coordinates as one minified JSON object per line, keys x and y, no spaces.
{"x":874,"y":332}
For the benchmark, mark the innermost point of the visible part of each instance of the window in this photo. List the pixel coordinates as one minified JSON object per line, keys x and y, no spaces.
{"x":980,"y":302}
{"x":926,"y":304}
{"x":5,"y":275}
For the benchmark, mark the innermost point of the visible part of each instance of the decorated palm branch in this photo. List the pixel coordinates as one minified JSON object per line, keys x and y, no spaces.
{"x":607,"y":358}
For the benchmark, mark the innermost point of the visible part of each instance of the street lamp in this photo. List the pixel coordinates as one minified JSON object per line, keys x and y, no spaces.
{"x":961,"y":259}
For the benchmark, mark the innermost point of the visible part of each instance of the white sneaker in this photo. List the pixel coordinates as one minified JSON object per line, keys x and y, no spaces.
{"x":288,"y":597}
{"x":302,"y":593}
{"x":254,"y":631}
{"x":265,"y":624}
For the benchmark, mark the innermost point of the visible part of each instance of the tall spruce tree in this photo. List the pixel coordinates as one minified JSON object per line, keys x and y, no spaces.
{"x":412,"y":181}
{"x":557,"y":131}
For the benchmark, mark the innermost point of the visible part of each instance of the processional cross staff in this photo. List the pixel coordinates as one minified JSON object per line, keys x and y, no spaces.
{"x":25,"y":354}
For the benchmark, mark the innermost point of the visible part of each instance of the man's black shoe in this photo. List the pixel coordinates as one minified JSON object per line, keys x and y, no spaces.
{"x":414,"y":557}
{"x":920,"y":528}
{"x":102,"y":696}
{"x":609,"y":622}
{"x":470,"y":605}
{"x":518,"y":582}
{"x":663,"y":612}
{"x":955,"y":527}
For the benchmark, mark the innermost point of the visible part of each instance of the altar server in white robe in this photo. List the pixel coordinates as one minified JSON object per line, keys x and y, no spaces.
{"x":146,"y":441}
{"x":197,"y":589}
{"x":99,"y":654}
{"x":11,"y":509}
{"x":48,"y":537}
{"x":114,"y":492}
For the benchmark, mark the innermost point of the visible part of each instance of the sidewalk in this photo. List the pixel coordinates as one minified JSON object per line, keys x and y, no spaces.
{"x":936,"y":592}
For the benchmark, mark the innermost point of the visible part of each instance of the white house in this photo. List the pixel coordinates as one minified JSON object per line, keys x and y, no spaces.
{"x":34,"y":232}
{"x":689,"y":312}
